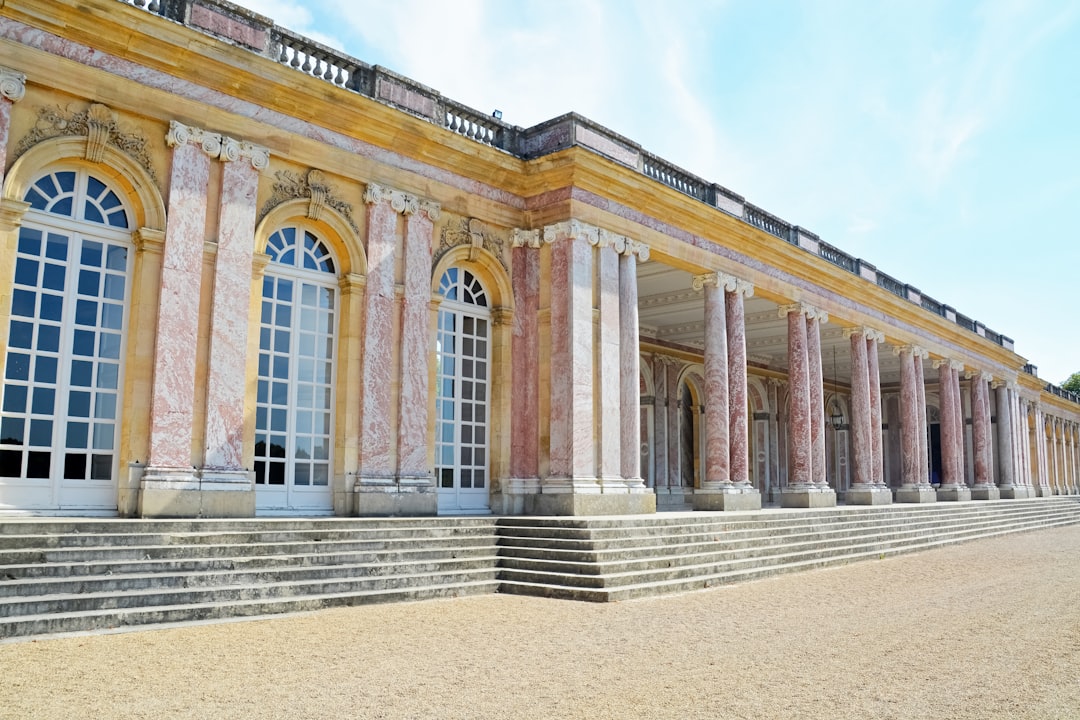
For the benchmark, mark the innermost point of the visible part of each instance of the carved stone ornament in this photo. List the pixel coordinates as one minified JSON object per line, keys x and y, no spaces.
{"x":97,"y":123}
{"x":811,"y":312}
{"x":474,"y":233}
{"x":729,"y":283}
{"x":313,"y":186}
{"x":12,"y":85}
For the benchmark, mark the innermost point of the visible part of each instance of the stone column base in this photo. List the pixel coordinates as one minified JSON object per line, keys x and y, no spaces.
{"x":916,"y":494}
{"x":985,"y":492}
{"x":391,"y":497}
{"x":809,"y":497}
{"x":868,"y":496}
{"x":727,"y":498}
{"x":516,"y":495}
{"x":1014,"y":492}
{"x":954,"y":493}
{"x":189,"y":493}
{"x":581,"y":496}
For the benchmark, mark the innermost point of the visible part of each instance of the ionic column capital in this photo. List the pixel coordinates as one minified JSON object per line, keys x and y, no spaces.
{"x":430,"y":208}
{"x":978,"y":375}
{"x":911,"y":350}
{"x":400,"y":201}
{"x":12,"y":84}
{"x":525,"y":238}
{"x":868,"y":333}
{"x":729,"y":283}
{"x":811,"y":312}
{"x":953,"y":364}
{"x":572,"y":230}
{"x":233,"y":150}
{"x":180,"y":134}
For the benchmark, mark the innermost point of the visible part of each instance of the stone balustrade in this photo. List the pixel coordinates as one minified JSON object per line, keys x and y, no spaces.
{"x":259,"y":34}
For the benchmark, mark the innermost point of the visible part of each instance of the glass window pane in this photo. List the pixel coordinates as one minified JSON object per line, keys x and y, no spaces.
{"x":41,"y":433}
{"x":77,"y":435}
{"x":15,"y":398}
{"x":75,"y":466}
{"x":12,"y":430}
{"x":22,"y":335}
{"x":18,"y":366}
{"x":38,"y":465}
{"x":101,"y":467}
{"x":45,"y":369}
{"x":103,"y":437}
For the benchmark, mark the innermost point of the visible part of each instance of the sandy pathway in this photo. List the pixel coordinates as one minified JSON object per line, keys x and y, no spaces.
{"x":989,"y":629}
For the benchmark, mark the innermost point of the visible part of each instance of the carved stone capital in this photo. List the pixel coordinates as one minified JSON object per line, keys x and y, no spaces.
{"x":636,"y":247}
{"x":180,"y":134}
{"x":525,"y":238}
{"x":399,"y":201}
{"x":606,"y":238}
{"x":867,"y":332}
{"x":431,"y":209}
{"x":12,"y":85}
{"x":729,"y":283}
{"x":811,"y":312}
{"x":572,"y":230}
{"x":233,"y":150}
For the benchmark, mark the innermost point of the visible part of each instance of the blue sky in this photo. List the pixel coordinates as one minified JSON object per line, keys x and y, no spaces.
{"x":939,"y":141}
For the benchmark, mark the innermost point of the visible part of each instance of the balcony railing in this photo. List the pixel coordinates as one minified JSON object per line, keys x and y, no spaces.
{"x":335,"y":67}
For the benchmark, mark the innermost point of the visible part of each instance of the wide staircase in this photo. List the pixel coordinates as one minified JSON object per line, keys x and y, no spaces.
{"x":61,"y":576}
{"x":608,"y":559}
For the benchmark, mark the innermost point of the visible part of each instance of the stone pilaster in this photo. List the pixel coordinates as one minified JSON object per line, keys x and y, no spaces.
{"x":223,"y":468}
{"x":12,"y":90}
{"x":524,"y":478}
{"x":659,"y":449}
{"x":575,"y":484}
{"x":801,"y":490}
{"x":412,"y":439}
{"x":380,"y":488}
{"x":170,"y":484}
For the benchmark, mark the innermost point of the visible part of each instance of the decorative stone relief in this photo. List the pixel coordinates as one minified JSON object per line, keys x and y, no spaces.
{"x":12,"y":85}
{"x":315,"y":187}
{"x":97,"y":123}
{"x":478,"y":235}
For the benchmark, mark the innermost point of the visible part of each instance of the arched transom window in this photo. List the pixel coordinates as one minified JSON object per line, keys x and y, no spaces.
{"x":63,"y":370}
{"x":297,"y":348}
{"x":463,"y":378}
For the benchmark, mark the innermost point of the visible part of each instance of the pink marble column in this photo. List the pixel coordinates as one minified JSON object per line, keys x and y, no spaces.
{"x":818,"y":471}
{"x":920,"y":388}
{"x":799,"y":423}
{"x":674,"y":420}
{"x":1054,"y":461}
{"x":874,"y":377}
{"x":952,"y":436}
{"x":12,"y":90}
{"x":172,"y":399}
{"x":572,"y":458}
{"x":412,"y":439}
{"x":861,"y":418}
{"x":909,"y":425}
{"x":738,"y":405}
{"x":1006,"y":446}
{"x":629,"y":365}
{"x":376,"y":441}
{"x":981,"y":431}
{"x":225,"y":381}
{"x":717,"y":406}
{"x":608,"y":396}
{"x":525,"y":358}
{"x":660,"y":400}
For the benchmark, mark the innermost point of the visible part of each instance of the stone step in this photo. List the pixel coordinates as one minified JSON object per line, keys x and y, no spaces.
{"x":673,"y":568}
{"x":631,"y":539}
{"x":163,"y":552}
{"x":319,"y":557}
{"x":125,"y":600}
{"x":105,"y":526}
{"x":96,"y":620}
{"x":238,"y":575}
{"x":598,"y":561}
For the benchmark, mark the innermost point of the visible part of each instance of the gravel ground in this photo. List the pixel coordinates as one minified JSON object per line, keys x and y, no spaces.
{"x":989,"y":629}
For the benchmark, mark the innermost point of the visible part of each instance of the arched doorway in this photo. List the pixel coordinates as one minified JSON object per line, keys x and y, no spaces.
{"x":295,"y":397}
{"x":63,"y":373}
{"x":463,"y":392}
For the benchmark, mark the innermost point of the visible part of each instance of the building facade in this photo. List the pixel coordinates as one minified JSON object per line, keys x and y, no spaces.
{"x":244,"y":274}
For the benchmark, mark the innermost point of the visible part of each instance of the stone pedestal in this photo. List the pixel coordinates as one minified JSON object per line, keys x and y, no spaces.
{"x":709,"y":498}
{"x":210,"y":494}
{"x":985,"y":492}
{"x":811,"y":497}
{"x":592,"y":503}
{"x":388,"y":497}
{"x":954,"y":493}
{"x":916,"y":494}
{"x":1014,"y":492}
{"x":871,"y":495}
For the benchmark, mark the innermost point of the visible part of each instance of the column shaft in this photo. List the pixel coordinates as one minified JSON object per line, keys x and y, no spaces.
{"x":818,"y":471}
{"x":799,"y":423}
{"x":659,"y":449}
{"x":921,"y":418}
{"x":525,"y":361}
{"x":630,"y":371}
{"x":609,"y":393}
{"x":738,"y":407}
{"x":877,"y":464}
{"x":717,"y":404}
{"x":861,"y":422}
{"x":909,"y":426}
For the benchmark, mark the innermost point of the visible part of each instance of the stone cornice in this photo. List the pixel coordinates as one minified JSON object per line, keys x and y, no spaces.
{"x":12,"y":84}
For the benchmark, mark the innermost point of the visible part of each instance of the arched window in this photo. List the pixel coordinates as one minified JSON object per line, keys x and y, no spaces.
{"x":463,"y":380}
{"x":295,"y":397}
{"x":60,"y":422}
